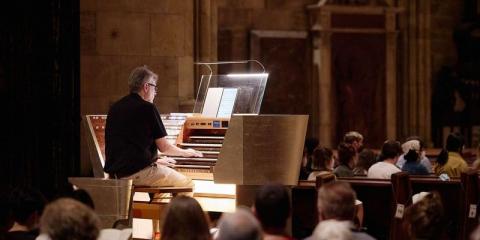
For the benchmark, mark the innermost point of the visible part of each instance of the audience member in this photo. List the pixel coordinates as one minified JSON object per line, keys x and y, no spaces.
{"x":411,"y":153}
{"x":333,"y":230}
{"x":347,"y":156}
{"x":69,"y":219}
{"x":27,"y":206}
{"x":355,"y":139}
{"x":272,"y":209}
{"x":310,"y":145}
{"x":423,"y":158}
{"x":366,"y":158}
{"x":240,"y":225}
{"x":337,"y":201}
{"x":389,"y":154}
{"x":450,"y":160}
{"x":322,"y":162}
{"x":184,"y":219}
{"x":425,"y":219}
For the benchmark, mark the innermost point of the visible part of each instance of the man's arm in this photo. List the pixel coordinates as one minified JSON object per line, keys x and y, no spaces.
{"x":168,"y":149}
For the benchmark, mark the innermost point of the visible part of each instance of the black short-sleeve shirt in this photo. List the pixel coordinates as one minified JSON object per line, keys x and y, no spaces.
{"x":132,"y":126}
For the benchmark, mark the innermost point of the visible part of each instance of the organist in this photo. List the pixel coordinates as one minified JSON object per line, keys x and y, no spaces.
{"x":134,"y":131}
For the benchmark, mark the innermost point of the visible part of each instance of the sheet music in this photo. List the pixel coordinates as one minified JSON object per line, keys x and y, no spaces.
{"x":212,"y":102}
{"x":227,"y":102}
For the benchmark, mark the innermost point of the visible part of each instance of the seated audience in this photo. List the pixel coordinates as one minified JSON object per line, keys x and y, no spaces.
{"x":322,"y":162}
{"x":411,"y":153}
{"x":272,"y":209}
{"x":332,"y":230}
{"x":305,"y":168}
{"x":184,"y":219}
{"x":366,"y":158}
{"x":240,"y":225}
{"x":355,"y":139}
{"x":450,"y":160}
{"x":423,"y":158}
{"x":27,"y":207}
{"x":337,"y":201}
{"x":347,"y":156}
{"x":69,"y":219}
{"x":424,"y":219}
{"x":389,"y":154}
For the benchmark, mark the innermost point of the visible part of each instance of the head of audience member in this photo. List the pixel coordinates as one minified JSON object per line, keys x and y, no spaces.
{"x":322,"y":159}
{"x":70,"y":219}
{"x":336,"y":201}
{"x":143,"y":81}
{"x":333,"y":230}
{"x":390,"y":152}
{"x":411,"y":150}
{"x":347,"y":155}
{"x":455,"y":143}
{"x":425,"y":218}
{"x":355,"y":139}
{"x":185,"y":219}
{"x":308,"y":148}
{"x":240,"y":225}
{"x":422,"y":144}
{"x":27,"y":206}
{"x":366,"y":158}
{"x":272,"y":208}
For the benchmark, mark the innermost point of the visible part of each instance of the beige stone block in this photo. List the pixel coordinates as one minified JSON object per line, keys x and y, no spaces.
{"x":166,"y":104}
{"x":168,"y":35}
{"x":185,"y":77}
{"x":108,"y":75}
{"x":228,"y":18}
{"x":289,"y":4}
{"x":280,"y":20}
{"x":146,"y":6}
{"x":87,"y":33}
{"x":88,"y":5}
{"x":120,"y":33}
{"x":246,"y":4}
{"x":189,"y":33}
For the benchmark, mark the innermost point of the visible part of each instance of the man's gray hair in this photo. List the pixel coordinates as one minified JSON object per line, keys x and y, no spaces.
{"x":352,"y":136}
{"x":138,"y":77}
{"x":240,"y":225}
{"x":68,"y":219}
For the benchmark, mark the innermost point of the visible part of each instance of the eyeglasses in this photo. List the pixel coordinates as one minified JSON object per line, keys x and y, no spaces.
{"x":153,"y":85}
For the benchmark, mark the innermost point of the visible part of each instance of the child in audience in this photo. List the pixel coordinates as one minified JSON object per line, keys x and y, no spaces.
{"x":450,"y":160}
{"x":322,"y":162}
{"x":347,"y":156}
{"x":185,"y":220}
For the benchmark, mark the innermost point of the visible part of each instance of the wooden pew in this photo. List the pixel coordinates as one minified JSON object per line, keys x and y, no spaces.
{"x":381,"y":198}
{"x":379,"y":204}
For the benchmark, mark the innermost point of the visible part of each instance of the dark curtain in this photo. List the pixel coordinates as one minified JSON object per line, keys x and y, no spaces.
{"x":39,"y":86}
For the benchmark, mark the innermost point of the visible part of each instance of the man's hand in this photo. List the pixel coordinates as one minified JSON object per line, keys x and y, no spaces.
{"x":191,"y":153}
{"x":166,"y":161}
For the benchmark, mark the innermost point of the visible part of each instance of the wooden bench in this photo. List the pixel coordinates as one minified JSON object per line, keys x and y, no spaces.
{"x":381,"y":198}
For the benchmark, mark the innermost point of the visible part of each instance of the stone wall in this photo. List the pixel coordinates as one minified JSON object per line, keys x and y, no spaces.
{"x":445,"y":16}
{"x":118,"y":35}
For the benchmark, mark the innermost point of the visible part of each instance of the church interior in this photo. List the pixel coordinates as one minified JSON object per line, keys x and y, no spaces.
{"x":387,"y":69}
